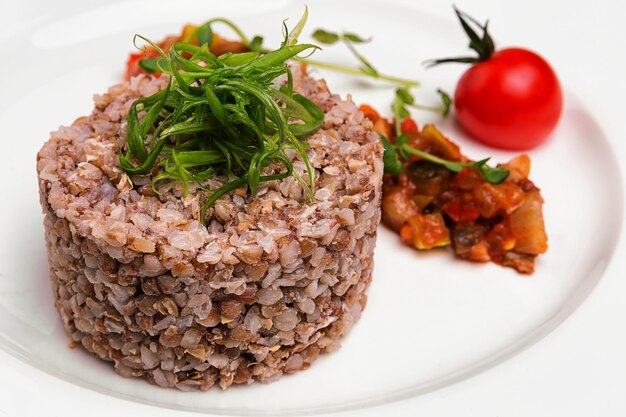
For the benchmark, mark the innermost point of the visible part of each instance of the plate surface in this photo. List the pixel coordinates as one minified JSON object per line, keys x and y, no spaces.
{"x":430,"y":321}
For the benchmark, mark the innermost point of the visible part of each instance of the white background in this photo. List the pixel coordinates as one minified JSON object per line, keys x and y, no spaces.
{"x":579,"y":369}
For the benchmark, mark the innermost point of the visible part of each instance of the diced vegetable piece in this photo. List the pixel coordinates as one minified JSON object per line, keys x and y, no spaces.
{"x":132,"y":65}
{"x":461,"y":209}
{"x":492,"y":199}
{"x":468,"y":234}
{"x":220,"y":45}
{"x":467,"y":179}
{"x":469,"y":243}
{"x":519,"y":261}
{"x":485,"y":199}
{"x":500,"y":238}
{"x":519,"y":167}
{"x":527,"y":226}
{"x":187,"y":30}
{"x":421,"y":201}
{"x":369,"y":112}
{"x":440,"y":145}
{"x":428,"y":178}
{"x":508,"y":195}
{"x":425,"y":231}
{"x":398,"y":207}
{"x":383,"y":127}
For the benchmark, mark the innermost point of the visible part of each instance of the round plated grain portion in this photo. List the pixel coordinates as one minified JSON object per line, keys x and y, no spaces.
{"x":271,"y":282}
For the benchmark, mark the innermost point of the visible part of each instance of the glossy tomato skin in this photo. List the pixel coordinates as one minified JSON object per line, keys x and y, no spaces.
{"x":512,"y":101}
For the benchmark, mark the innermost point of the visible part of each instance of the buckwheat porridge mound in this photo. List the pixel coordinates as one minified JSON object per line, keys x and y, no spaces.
{"x":269,"y":283}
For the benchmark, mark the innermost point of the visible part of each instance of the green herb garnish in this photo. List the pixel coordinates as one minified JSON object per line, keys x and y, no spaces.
{"x":394,"y":154}
{"x":349,"y":40}
{"x":221,"y":116}
{"x":322,"y":36}
{"x":404,"y":99}
{"x":393,"y":162}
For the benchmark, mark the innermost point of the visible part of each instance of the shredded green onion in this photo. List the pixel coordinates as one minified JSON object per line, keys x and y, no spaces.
{"x":221,"y":115}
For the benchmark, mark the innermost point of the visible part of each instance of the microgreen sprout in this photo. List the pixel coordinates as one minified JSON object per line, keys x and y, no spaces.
{"x":320,"y":35}
{"x":349,"y":40}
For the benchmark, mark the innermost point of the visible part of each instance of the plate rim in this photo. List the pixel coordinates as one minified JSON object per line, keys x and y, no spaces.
{"x":518,"y":346}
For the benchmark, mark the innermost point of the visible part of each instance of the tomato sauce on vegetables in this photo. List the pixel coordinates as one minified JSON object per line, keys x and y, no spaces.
{"x":430,"y":206}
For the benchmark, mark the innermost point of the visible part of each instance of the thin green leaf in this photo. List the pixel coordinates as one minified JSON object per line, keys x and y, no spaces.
{"x":400,"y":112}
{"x":490,"y":174}
{"x":256,"y":45}
{"x":205,"y":34}
{"x":368,"y":68}
{"x":405,"y":95}
{"x":401,"y":142}
{"x":446,"y":101}
{"x":134,"y":138}
{"x":226,"y":188}
{"x":199,"y":158}
{"x":391,"y":161}
{"x":354,"y":38}
{"x":314,"y":121}
{"x":292,"y":39}
{"x":199,"y":53}
{"x":146,"y":165}
{"x":281,"y":55}
{"x":289,"y":170}
{"x":190,"y":126}
{"x":155,"y":110}
{"x":236,"y":60}
{"x":185,"y":64}
{"x":150,"y":65}
{"x":183,"y":175}
{"x":180,"y":80}
{"x":149,"y":42}
{"x":214,"y":104}
{"x":404,"y":99}
{"x":285,"y":29}
{"x":325,"y":37}
{"x":161,"y":177}
{"x":254,"y":173}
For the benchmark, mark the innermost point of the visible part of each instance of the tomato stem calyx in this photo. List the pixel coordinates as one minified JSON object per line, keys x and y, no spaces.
{"x":482,"y":44}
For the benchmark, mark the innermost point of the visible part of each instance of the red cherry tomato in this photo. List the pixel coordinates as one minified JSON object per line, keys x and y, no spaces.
{"x":512,"y":100}
{"x":132,"y":65}
{"x":408,"y":125}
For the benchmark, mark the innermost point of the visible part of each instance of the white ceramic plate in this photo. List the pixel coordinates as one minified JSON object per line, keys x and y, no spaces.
{"x":430,"y":321}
